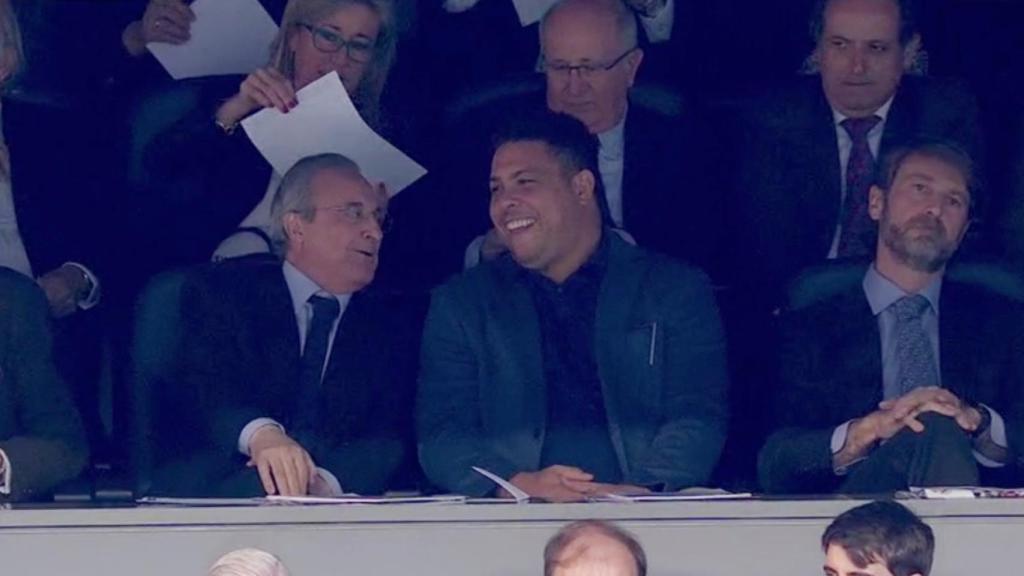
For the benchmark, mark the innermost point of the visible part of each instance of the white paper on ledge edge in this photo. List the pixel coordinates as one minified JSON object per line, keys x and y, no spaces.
{"x":228,"y":37}
{"x":326,"y":121}
{"x":516,"y":493}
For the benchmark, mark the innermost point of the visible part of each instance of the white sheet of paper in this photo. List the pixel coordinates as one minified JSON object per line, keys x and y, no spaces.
{"x":356,"y":499}
{"x":516,"y":493}
{"x":531,"y":11}
{"x":326,"y":121}
{"x":228,"y":37}
{"x":671,"y":497}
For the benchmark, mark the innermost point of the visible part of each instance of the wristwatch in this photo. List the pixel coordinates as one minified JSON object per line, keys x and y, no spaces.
{"x":986,"y":420}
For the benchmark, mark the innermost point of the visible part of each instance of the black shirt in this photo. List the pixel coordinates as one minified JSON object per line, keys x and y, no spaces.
{"x":577,"y":424}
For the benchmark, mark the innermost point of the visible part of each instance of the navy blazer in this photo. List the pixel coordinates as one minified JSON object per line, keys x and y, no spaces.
{"x":832,"y":372}
{"x":660,"y":355}
{"x":241,"y":351}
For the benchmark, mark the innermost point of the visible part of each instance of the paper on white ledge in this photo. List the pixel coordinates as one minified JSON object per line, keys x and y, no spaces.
{"x":682,"y":496}
{"x":326,"y":121}
{"x":356,"y":499}
{"x":227,"y":37}
{"x":516,"y":493}
{"x":531,"y":11}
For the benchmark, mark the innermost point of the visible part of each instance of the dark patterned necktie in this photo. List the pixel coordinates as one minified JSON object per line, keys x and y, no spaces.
{"x":914,"y":353}
{"x":858,"y":232}
{"x":325,"y":312}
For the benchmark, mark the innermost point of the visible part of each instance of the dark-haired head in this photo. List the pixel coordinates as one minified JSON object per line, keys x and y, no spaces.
{"x":883,"y":533}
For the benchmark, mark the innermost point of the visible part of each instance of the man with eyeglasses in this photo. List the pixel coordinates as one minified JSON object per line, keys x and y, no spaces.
{"x":650,"y":164}
{"x":308,"y":373}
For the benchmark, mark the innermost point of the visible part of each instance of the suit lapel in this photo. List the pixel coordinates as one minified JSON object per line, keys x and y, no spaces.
{"x":823,"y":196}
{"x":614,"y":316}
{"x":277,"y":337}
{"x":960,"y":346}
{"x":516,"y":327}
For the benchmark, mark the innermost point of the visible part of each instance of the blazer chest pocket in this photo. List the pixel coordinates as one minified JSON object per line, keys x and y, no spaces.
{"x":642,"y":364}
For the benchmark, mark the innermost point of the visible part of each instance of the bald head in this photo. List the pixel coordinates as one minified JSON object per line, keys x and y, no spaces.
{"x":594,"y":548}
{"x":600,"y":15}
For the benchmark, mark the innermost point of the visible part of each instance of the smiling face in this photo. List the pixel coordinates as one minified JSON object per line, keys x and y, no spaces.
{"x":338,"y":248}
{"x":545,"y":214}
{"x":924,"y":215}
{"x":353,"y":22}
{"x":860,"y":55}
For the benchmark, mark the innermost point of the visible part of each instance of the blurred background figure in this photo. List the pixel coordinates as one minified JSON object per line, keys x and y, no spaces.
{"x":594,"y":548}
{"x":248,"y":562}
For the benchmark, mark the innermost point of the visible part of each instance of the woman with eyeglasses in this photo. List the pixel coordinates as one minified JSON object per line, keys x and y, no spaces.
{"x":204,"y":175}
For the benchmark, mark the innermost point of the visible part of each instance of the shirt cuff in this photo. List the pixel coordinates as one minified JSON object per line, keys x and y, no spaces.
{"x":996,"y":435}
{"x":327,"y":486}
{"x":93,"y":298}
{"x":472,"y":256}
{"x":250,"y":430}
{"x":5,"y":474}
{"x":838,"y":443}
{"x":659,"y":26}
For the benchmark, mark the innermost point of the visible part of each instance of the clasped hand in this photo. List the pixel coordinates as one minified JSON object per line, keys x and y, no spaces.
{"x":285,"y":467}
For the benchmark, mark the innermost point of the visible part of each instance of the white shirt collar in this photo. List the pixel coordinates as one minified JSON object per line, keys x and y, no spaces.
{"x":613,"y":139}
{"x":882,"y":292}
{"x":882,"y":112}
{"x":301,"y":287}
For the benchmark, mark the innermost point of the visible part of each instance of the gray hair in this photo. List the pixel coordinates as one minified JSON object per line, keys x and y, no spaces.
{"x":295,"y":194}
{"x":248,"y":562}
{"x":625,"y":19}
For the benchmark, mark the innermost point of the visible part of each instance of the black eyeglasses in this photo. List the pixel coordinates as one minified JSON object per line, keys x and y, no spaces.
{"x":585,"y":71}
{"x":330,"y":42}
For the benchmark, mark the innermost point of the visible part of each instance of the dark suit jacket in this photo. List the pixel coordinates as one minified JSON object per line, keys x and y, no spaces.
{"x":40,"y":429}
{"x":832,"y":372}
{"x":787,"y":188}
{"x":241,"y":351}
{"x":201,"y":182}
{"x":58,"y":203}
{"x":481,"y":400}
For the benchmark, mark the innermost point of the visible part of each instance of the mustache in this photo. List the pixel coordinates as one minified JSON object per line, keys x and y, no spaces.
{"x":926,"y":221}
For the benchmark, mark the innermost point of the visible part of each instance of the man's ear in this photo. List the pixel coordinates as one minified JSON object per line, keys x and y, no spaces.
{"x":876,"y":203}
{"x":911,"y":51}
{"x":633,"y":61}
{"x":583,"y":185}
{"x":294,"y":228}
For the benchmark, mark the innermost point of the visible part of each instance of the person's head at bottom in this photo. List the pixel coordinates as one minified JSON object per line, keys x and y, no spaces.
{"x":594,"y":548}
{"x":248,"y":562}
{"x":878,"y":539}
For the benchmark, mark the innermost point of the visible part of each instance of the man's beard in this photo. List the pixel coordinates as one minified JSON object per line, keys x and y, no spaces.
{"x":923,"y":253}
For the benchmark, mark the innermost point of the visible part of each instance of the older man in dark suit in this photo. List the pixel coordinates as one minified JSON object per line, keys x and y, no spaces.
{"x":41,"y":438}
{"x":909,"y":377}
{"x":308,"y":373}
{"x":575,"y":364}
{"x":807,"y":151}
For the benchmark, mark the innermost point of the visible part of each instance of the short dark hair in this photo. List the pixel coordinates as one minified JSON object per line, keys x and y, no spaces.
{"x":943,"y":150}
{"x":883,"y":532}
{"x":567,"y":138}
{"x":571,"y":532}
{"x":908,"y":20}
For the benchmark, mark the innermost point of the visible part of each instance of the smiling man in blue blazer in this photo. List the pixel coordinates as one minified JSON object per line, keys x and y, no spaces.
{"x":576,"y":364}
